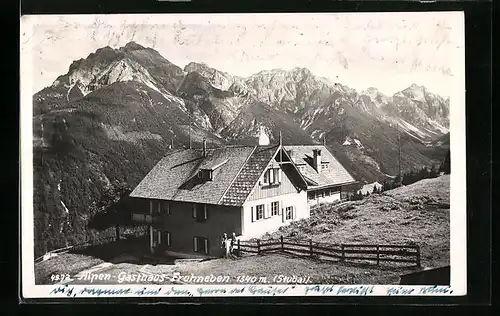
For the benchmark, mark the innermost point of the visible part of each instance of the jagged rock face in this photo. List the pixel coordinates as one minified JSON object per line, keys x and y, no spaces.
{"x":218,"y":79}
{"x":129,"y":63}
{"x":423,"y":113}
{"x":256,"y":117}
{"x":310,"y":99}
{"x":290,"y":91}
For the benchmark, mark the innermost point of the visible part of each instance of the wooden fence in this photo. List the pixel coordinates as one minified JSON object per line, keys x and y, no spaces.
{"x":342,"y":252}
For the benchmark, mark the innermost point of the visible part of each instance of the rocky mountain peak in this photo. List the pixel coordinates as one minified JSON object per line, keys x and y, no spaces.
{"x":371,"y":90}
{"x":131,"y":46}
{"x":218,"y":79}
{"x":195,"y":66}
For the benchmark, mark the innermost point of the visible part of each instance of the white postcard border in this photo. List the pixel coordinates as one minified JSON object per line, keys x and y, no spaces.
{"x":457,"y":196}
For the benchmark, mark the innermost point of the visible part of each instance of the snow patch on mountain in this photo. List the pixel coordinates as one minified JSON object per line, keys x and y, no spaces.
{"x":412,"y":130}
{"x":358,"y":143}
{"x":65,"y":208}
{"x":353,"y":141}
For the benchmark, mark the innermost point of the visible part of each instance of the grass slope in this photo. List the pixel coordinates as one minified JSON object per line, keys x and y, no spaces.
{"x":418,"y":213}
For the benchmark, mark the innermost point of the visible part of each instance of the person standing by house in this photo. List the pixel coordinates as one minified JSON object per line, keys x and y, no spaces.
{"x":224,"y":245}
{"x":233,"y":244}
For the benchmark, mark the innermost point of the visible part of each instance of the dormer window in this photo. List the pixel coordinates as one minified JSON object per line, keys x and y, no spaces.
{"x":272,"y":176}
{"x":205,"y":174}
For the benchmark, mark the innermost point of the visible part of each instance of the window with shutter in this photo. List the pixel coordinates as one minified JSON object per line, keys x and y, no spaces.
{"x":289,"y":213}
{"x":166,"y":240}
{"x":272,"y":176}
{"x":274,"y":208}
{"x":200,"y":212}
{"x":165,"y":208}
{"x":259,"y":212}
{"x":252,"y":212}
{"x":201,"y":245}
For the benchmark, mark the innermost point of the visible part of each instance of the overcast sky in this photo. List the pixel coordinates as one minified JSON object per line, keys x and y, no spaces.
{"x":389,"y":51}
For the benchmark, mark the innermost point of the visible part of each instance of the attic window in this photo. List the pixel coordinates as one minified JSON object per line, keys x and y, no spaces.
{"x":205,"y":174}
{"x":272,"y":176}
{"x":324,"y":165}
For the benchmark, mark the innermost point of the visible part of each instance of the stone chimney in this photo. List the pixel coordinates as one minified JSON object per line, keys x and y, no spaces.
{"x":204,"y":148}
{"x":263,"y":138}
{"x":317,"y":159}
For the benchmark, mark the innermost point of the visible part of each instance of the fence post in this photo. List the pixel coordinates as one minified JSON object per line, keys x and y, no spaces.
{"x":311,"y":248}
{"x":378,"y":255}
{"x":343,"y":253}
{"x":282,"y":244}
{"x":258,"y":246}
{"x":418,"y":256}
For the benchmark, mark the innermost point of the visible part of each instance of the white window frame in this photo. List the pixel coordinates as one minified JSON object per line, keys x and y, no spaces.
{"x":275,"y":207}
{"x":272,"y":176}
{"x":257,"y":217}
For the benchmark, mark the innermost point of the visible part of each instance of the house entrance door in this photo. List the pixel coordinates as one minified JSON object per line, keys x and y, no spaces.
{"x":155,"y":239}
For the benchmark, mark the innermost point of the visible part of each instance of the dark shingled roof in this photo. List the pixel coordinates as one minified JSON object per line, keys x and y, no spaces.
{"x":174,"y":176}
{"x":236,"y":170}
{"x":249,"y":175}
{"x":335,"y":174}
